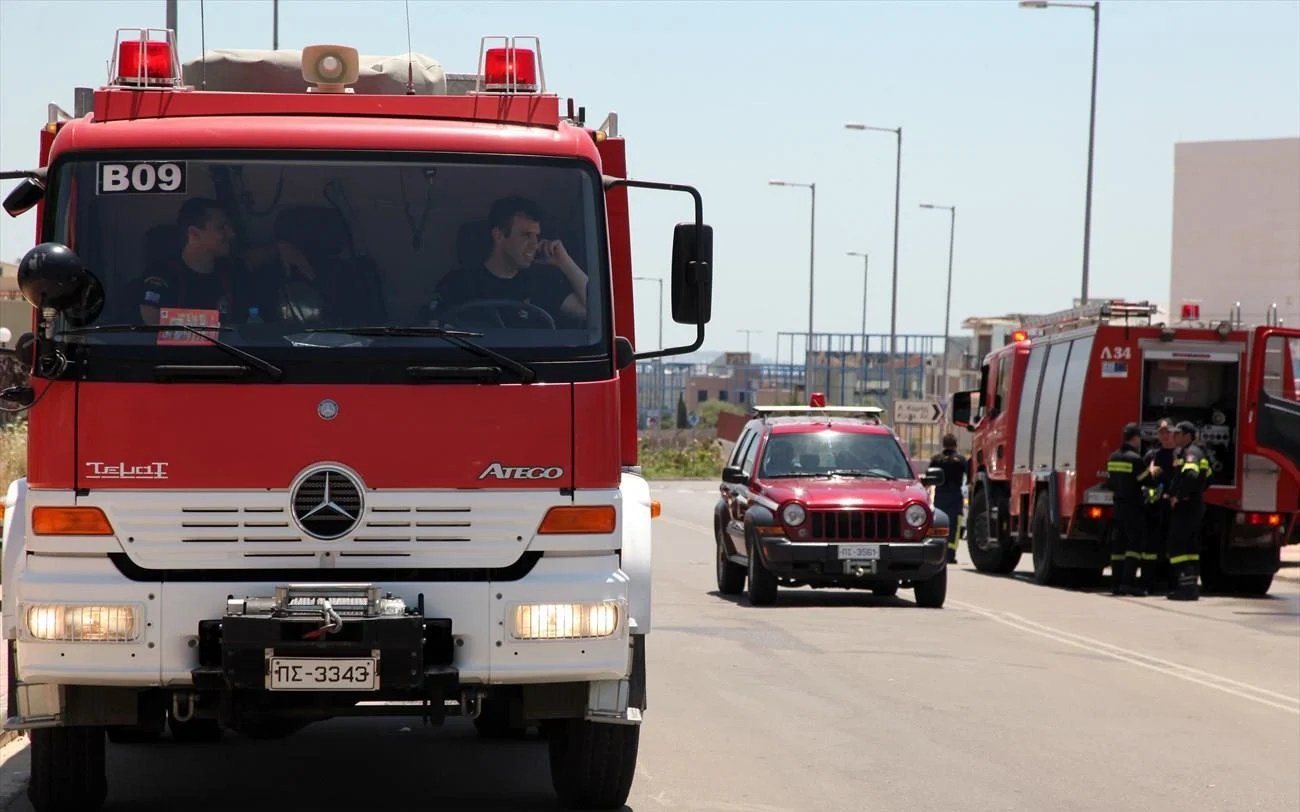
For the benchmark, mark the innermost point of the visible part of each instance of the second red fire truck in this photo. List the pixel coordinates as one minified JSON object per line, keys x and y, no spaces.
{"x":1050,"y":410}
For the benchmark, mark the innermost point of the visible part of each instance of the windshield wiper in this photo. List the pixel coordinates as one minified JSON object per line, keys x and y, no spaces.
{"x":460,"y":338}
{"x":855,"y":472}
{"x":261,"y":363}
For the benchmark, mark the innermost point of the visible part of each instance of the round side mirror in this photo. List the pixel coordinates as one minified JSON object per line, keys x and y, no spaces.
{"x":51,"y":275}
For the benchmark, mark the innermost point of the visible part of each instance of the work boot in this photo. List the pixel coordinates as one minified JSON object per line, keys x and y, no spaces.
{"x":1186,"y":587}
{"x":952,"y":555}
{"x":1129,"y":583}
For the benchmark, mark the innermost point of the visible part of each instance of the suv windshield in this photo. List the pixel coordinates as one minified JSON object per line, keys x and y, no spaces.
{"x":826,"y":453}
{"x":285,"y":253}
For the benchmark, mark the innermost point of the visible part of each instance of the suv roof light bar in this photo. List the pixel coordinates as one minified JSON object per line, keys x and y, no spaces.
{"x":871,"y":413}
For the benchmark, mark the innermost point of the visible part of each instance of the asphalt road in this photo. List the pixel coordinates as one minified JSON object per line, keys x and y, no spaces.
{"x":1012,"y":697}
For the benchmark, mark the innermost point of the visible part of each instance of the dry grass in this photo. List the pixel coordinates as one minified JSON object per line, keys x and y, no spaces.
{"x":13,"y":453}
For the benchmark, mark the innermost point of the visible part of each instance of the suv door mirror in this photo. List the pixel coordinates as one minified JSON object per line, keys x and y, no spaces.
{"x":692,"y":274}
{"x":961,"y":410}
{"x":932,"y":478}
{"x":733,"y":475}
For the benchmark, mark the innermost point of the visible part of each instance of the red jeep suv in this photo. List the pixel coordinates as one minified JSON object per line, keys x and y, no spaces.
{"x":826,"y":497}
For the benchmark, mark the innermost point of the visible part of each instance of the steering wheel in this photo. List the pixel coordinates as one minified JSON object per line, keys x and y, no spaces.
{"x":496,"y":305}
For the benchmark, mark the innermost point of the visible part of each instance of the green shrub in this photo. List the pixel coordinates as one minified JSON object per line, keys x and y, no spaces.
{"x":695,"y":459}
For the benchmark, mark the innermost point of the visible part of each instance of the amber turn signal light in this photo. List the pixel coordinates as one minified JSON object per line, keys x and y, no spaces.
{"x":70,"y":521}
{"x":579,"y":519}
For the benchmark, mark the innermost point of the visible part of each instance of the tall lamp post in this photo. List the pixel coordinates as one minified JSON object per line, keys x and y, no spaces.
{"x":893,"y":295}
{"x":866,"y":265}
{"x":1092,"y":125}
{"x":812,"y":242}
{"x":747,"y":334}
{"x":947,"y":308}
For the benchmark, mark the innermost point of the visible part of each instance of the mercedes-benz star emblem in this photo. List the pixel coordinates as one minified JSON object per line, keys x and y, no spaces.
{"x":327,"y":409}
{"x":327,"y":503}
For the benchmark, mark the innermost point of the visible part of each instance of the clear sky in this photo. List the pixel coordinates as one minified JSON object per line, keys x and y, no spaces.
{"x":993,"y":101}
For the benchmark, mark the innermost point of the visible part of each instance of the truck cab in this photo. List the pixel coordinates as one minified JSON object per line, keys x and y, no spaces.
{"x":331,"y":408}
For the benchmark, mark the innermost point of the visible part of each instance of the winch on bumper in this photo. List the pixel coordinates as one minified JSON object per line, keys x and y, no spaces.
{"x":853,"y":562}
{"x":326,"y":637}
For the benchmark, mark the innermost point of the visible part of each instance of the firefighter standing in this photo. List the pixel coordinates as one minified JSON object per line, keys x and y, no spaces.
{"x":1187,"y":509}
{"x":947,"y":497}
{"x":1159,"y":461}
{"x":1125,"y":476}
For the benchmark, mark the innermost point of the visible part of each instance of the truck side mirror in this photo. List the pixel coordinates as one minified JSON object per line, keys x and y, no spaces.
{"x":733,"y":475}
{"x":692,"y":274}
{"x":961,"y":410}
{"x":23,"y":196}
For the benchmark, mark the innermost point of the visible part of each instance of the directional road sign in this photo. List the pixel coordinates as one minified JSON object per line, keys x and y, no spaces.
{"x":924,"y":412}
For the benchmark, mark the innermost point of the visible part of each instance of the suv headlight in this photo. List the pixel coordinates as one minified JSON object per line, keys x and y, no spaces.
{"x":915,"y":516}
{"x":793,"y":515}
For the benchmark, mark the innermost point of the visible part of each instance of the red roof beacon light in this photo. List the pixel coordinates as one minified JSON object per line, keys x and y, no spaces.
{"x":1019,"y":335}
{"x":511,"y":69}
{"x":1191,"y":312}
{"x":145,"y":58}
{"x":818,"y":400}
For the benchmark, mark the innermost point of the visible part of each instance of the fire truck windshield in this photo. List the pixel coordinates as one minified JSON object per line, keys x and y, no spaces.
{"x":285,"y":254}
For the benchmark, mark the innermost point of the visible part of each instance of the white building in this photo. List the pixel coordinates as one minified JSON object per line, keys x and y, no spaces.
{"x":1236,"y":228}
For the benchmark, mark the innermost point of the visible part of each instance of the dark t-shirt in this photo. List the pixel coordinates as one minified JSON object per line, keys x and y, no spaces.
{"x":954,"y":471}
{"x":541,"y":285}
{"x":174,"y":284}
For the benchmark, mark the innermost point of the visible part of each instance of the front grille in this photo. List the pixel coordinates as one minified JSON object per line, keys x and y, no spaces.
{"x":327,"y":504}
{"x":856,"y":525}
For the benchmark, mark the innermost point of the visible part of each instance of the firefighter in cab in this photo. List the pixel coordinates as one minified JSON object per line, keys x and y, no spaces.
{"x":1187,"y":509}
{"x":948,"y":496}
{"x":1125,"y":477}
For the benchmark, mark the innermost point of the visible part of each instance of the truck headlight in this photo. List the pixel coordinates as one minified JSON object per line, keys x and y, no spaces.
{"x":105,"y":624}
{"x":915,"y":516}
{"x":793,"y":514}
{"x":567,"y":621}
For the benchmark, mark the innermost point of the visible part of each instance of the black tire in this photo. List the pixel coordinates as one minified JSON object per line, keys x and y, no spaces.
{"x":886,"y":590}
{"x":931,"y":593}
{"x":730,"y":575}
{"x":762,"y":583}
{"x":1046,"y":538}
{"x":593,"y":763}
{"x":1252,"y":585}
{"x":1001,"y":560}
{"x":196,"y":730}
{"x":68,"y":769}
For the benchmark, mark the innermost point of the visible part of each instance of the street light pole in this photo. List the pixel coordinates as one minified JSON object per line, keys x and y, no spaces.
{"x":865,"y":269}
{"x":947,"y":308}
{"x":812,"y":253}
{"x":893,"y":296}
{"x":275,"y":25}
{"x":747,"y":334}
{"x":1095,"y":8}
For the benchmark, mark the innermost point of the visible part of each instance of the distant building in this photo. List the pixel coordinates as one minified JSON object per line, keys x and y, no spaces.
{"x":15,"y":312}
{"x":1236,"y":228}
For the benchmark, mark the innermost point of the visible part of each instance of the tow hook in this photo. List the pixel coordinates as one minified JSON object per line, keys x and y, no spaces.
{"x":859,"y":571}
{"x":189,"y":707}
{"x":471,"y":702}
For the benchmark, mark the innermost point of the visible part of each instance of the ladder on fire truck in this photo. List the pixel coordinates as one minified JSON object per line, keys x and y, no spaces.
{"x":1135,"y":314}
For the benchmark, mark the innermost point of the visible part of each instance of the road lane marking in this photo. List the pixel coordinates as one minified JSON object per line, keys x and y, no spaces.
{"x":1226,"y":685}
{"x":687,"y":525}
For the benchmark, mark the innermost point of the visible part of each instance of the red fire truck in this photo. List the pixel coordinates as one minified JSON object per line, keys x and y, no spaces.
{"x":332,"y":411}
{"x":1050,"y":410}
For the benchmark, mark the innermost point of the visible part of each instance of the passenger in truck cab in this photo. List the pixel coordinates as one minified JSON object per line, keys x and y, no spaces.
{"x":197,"y":271}
{"x":521,"y":266}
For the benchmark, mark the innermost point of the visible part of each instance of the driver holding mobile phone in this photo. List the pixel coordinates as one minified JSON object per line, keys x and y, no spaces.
{"x":558,"y":287}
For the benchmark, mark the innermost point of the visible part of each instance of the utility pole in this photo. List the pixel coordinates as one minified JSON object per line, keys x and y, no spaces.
{"x":747,"y":334}
{"x":171,"y":20}
{"x":275,"y":25}
{"x":947,"y":309}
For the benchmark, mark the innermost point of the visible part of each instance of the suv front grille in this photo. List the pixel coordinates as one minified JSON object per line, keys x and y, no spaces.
{"x":856,"y":525}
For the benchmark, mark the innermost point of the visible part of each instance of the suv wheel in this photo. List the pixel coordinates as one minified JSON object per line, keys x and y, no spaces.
{"x":932,"y":592}
{"x":731,"y":576}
